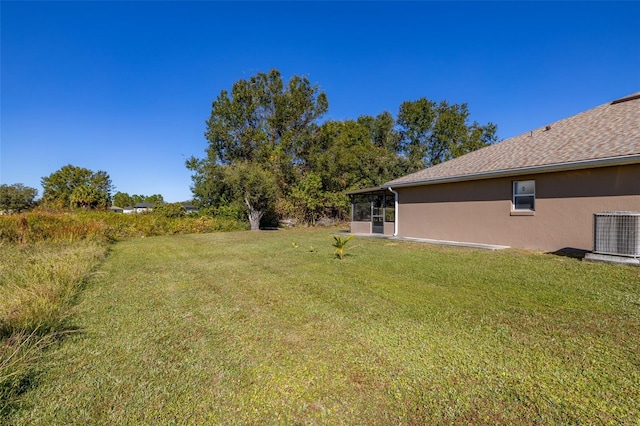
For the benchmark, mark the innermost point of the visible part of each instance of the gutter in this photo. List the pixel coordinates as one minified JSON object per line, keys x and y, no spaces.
{"x":575,"y":165}
{"x":395,"y":222}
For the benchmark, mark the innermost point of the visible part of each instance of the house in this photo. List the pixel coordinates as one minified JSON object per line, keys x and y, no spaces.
{"x":143,"y":207}
{"x":128,"y":210}
{"x":190,"y":208}
{"x":537,"y":190}
{"x":116,"y":209}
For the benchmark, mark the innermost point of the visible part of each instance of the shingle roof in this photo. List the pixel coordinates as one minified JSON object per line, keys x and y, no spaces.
{"x":609,"y":131}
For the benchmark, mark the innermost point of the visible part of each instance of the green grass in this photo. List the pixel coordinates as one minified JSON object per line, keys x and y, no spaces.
{"x":45,"y":258}
{"x":246,"y":328}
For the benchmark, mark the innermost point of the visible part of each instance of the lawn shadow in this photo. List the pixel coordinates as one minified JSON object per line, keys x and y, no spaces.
{"x":571,"y":252}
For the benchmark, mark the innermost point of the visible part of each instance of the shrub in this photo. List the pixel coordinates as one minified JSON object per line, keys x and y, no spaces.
{"x":170,"y":210}
{"x":106,"y":227}
{"x":340,"y":244}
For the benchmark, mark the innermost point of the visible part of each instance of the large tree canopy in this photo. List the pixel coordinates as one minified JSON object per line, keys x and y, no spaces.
{"x":259,"y":129}
{"x":263,"y":120}
{"x":268,"y":153}
{"x":73,"y":186}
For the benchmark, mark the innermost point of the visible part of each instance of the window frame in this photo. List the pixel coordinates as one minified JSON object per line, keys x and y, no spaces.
{"x":515,"y":195}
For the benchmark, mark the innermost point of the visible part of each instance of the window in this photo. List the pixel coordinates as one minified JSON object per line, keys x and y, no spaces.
{"x":524,"y":195}
{"x":361,"y":208}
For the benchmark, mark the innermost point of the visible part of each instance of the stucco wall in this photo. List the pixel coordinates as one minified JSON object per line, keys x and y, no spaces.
{"x":366,"y":228}
{"x":480,"y":211}
{"x":389,"y":228}
{"x":360,"y":227}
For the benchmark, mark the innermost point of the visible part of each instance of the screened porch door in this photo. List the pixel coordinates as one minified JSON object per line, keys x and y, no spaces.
{"x":377,"y":214}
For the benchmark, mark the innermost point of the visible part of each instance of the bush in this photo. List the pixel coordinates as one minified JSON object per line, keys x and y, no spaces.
{"x":105,"y":226}
{"x":170,"y":210}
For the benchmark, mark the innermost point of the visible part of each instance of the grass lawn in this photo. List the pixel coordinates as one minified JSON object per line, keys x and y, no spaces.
{"x":245,"y":328}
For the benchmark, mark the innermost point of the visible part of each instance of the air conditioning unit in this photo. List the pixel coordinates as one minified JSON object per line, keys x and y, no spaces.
{"x":617,"y":233}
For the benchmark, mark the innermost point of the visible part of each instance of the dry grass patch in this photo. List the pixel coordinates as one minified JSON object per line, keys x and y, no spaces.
{"x":39,"y":285}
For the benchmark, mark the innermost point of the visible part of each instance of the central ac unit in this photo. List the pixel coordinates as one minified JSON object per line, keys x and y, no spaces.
{"x":617,"y":233}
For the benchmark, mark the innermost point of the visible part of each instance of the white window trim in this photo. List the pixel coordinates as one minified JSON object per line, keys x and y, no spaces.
{"x":522,"y":212}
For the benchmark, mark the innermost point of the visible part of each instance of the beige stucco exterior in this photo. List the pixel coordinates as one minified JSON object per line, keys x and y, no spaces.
{"x":366,"y":228}
{"x":360,"y":227}
{"x":480,"y":211}
{"x":389,"y":228}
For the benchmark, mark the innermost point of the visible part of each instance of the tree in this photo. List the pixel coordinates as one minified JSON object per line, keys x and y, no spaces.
{"x":262,"y":120}
{"x":16,"y":198}
{"x":60,"y":185}
{"x":270,"y":130}
{"x":433,"y":133}
{"x":122,"y":199}
{"x":308,"y":197}
{"x":260,"y":127}
{"x":256,"y":186}
{"x":137,"y":198}
{"x":382,"y":131}
{"x":209,"y":187}
{"x":346,"y":157}
{"x":87,"y":197}
{"x":156,"y":199}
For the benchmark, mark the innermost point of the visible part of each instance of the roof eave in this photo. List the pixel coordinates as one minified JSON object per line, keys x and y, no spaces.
{"x":366,"y":190}
{"x":559,"y":167}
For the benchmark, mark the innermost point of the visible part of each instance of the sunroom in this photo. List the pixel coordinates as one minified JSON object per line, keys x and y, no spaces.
{"x":373,"y":211}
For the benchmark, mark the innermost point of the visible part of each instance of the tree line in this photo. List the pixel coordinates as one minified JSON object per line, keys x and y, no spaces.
{"x":70,"y":187}
{"x":269,"y":157}
{"x":122,"y":199}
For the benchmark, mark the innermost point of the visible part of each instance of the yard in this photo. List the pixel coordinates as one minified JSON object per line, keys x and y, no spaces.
{"x":269,"y":328}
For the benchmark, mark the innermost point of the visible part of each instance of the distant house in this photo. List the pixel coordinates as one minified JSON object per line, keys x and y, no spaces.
{"x":190,"y":208}
{"x":537,"y":190}
{"x":116,"y":209}
{"x":143,"y":207}
{"x":128,"y":210}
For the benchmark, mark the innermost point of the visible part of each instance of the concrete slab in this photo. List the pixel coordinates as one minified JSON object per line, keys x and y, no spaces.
{"x":437,"y":242}
{"x":596,"y":257}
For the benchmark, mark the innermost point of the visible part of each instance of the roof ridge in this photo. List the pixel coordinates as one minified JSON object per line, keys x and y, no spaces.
{"x":626,"y":98}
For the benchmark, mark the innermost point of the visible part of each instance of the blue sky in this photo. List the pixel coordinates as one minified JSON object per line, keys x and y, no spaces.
{"x":126,"y":87}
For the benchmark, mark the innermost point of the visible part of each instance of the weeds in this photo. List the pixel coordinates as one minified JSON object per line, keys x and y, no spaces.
{"x":104,"y":226}
{"x":18,"y":358}
{"x":39,"y":285}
